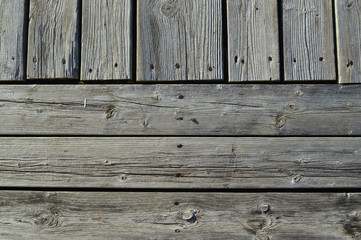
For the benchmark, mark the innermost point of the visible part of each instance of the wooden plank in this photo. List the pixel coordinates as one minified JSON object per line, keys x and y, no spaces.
{"x":53,"y":49}
{"x":348,"y":27}
{"x":253,"y":48}
{"x":106,"y":40}
{"x":179,"y":163}
{"x":179,"y":215}
{"x":179,"y":40}
{"x":308,"y":40}
{"x":161,"y":109}
{"x":12,"y":52}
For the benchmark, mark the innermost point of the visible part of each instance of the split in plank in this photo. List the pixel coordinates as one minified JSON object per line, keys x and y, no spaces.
{"x":179,"y":162}
{"x":53,"y":46}
{"x":12,"y":37}
{"x":179,"y":40}
{"x":348,"y":26}
{"x":253,"y":46}
{"x":308,"y":40}
{"x":179,"y":215}
{"x":210,"y":109}
{"x":106,"y":40}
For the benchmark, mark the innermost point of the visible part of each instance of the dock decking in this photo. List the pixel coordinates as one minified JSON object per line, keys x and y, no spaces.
{"x":180,"y":119}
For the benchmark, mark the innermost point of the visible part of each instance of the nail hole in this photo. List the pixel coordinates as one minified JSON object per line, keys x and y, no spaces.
{"x":177,"y":230}
{"x":177,"y":65}
{"x":90,"y":70}
{"x":176,"y":203}
{"x":210,"y":69}
{"x":349,"y":64}
{"x":180,"y":119}
{"x":236,"y":59}
{"x":12,"y":58}
{"x":270,"y":59}
{"x":179,"y":175}
{"x":63,"y":61}
{"x":321,"y":59}
{"x":151,"y":66}
{"x":294,"y":60}
{"x":116,"y":65}
{"x":242,"y":61}
{"x":179,"y":146}
{"x":180,"y":96}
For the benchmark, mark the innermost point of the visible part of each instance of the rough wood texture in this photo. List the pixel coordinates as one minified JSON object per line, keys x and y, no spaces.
{"x":253,"y":49}
{"x":204,"y":109}
{"x":179,"y":40}
{"x":348,"y":26}
{"x":308,"y":40}
{"x":53,"y":49}
{"x":179,"y":215}
{"x":173,"y":162}
{"x":12,"y":52}
{"x":106,"y":40}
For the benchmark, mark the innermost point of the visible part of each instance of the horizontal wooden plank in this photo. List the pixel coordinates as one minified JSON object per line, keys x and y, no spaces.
{"x":179,"y":215}
{"x":203,"y":109}
{"x":186,"y":162}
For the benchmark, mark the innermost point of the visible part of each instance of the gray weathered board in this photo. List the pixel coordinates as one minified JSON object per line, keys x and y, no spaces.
{"x":348,"y":26}
{"x":253,"y":46}
{"x":179,"y":40}
{"x":106,"y":40}
{"x":179,"y":215}
{"x":160,"y":109}
{"x":53,"y":45}
{"x":179,"y":162}
{"x":12,"y":52}
{"x":308,"y":39}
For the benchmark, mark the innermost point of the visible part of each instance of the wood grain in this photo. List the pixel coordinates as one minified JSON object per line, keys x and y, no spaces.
{"x":253,"y":48}
{"x":202,"y":109}
{"x":12,"y":50}
{"x":308,"y":40}
{"x":106,"y":40}
{"x":179,"y":215}
{"x":53,"y":46}
{"x":179,"y":40}
{"x":348,"y":27}
{"x":180,"y":162}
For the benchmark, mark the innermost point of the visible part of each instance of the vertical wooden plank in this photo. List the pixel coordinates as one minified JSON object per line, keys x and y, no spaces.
{"x":348,"y":28}
{"x":106,"y":38}
{"x":179,"y":40}
{"x":253,"y":46}
{"x":53,"y":49}
{"x":308,"y":40}
{"x":12,"y":52}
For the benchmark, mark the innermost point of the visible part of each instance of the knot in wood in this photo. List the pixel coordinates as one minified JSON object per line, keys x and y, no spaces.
{"x":169,"y":8}
{"x":188,"y":215}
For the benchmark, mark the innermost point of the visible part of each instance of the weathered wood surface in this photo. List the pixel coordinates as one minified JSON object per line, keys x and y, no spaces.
{"x":53,"y":45}
{"x":106,"y":40}
{"x":179,"y":215}
{"x":173,"y":162}
{"x":308,"y":40}
{"x":202,"y":109}
{"x":12,"y":47}
{"x":179,"y":40}
{"x":253,"y":46}
{"x":348,"y":28}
